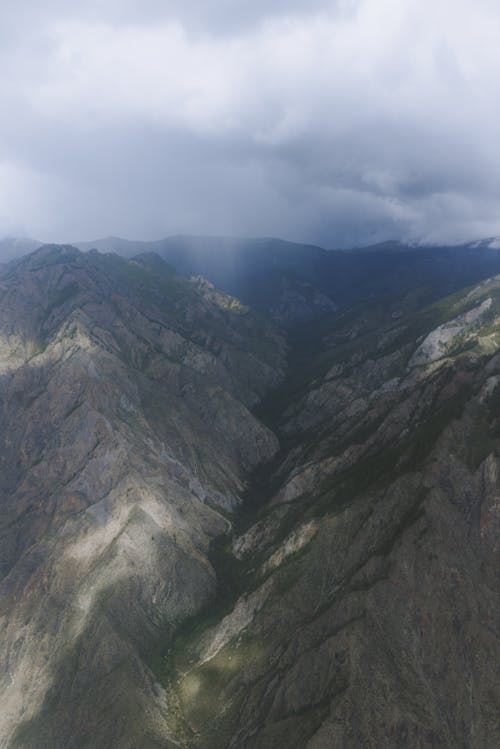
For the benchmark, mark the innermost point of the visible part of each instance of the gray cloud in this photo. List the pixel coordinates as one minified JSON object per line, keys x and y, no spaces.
{"x":338,"y":122}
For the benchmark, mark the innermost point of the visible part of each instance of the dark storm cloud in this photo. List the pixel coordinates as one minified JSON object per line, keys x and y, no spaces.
{"x":337,"y":122}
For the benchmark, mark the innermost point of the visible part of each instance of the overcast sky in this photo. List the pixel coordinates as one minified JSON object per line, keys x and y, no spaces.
{"x":341,"y":122}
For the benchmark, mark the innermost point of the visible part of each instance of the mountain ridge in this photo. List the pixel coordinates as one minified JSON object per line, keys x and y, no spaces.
{"x":124,"y":449}
{"x":296,"y":282}
{"x":221,"y":531}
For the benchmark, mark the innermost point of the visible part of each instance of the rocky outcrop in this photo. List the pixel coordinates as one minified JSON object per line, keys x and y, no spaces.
{"x":201,"y":550}
{"x":126,"y":441}
{"x":440,"y":341}
{"x":365,"y":606}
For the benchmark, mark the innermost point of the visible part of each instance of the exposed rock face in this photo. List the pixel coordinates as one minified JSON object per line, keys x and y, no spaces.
{"x":365,"y":604}
{"x":439,"y":341}
{"x":126,"y":432}
{"x":355,"y":603}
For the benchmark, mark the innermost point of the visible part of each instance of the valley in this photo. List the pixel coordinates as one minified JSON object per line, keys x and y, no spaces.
{"x":226,"y":528}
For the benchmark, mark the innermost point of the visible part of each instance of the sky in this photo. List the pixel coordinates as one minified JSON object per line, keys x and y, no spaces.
{"x":339,"y":122}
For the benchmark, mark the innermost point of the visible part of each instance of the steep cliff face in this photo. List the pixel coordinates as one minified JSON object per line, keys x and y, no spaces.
{"x":210,"y":540}
{"x":126,"y":437}
{"x":363,"y":603}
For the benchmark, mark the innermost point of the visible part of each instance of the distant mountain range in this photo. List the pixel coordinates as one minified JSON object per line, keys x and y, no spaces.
{"x":299,"y":281}
{"x":293,"y":281}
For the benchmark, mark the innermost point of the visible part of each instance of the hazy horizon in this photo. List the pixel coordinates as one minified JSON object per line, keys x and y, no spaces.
{"x":10,"y":241}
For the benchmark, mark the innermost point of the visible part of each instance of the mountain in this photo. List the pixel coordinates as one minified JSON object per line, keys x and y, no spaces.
{"x":272,"y":275}
{"x":361,"y":599}
{"x":126,"y":434}
{"x":296,"y":282}
{"x":226,"y":531}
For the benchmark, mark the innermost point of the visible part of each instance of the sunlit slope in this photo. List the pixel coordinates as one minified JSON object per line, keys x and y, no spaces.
{"x":126,"y":437}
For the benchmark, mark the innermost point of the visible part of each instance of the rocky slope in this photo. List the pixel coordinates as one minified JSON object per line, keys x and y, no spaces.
{"x":126,"y":436}
{"x":362,"y":602}
{"x":215,"y":542}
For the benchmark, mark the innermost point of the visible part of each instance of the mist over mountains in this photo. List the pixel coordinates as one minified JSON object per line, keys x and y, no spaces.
{"x":273,"y":274}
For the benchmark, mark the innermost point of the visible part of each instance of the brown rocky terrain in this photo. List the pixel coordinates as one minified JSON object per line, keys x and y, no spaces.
{"x":215,"y":541}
